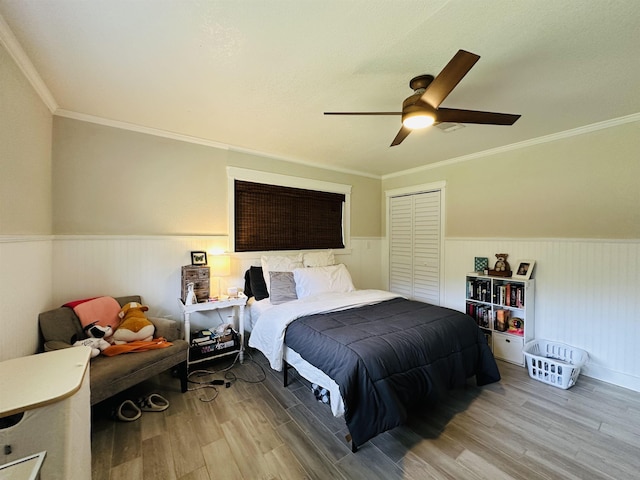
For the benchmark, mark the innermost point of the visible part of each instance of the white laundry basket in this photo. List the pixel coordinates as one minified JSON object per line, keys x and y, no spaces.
{"x":554,"y":363}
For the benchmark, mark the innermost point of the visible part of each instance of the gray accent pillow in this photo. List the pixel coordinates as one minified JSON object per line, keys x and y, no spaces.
{"x":283,"y":287}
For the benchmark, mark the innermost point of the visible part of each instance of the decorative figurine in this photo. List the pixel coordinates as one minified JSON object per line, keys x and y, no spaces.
{"x":502,"y":267}
{"x":191,"y":295}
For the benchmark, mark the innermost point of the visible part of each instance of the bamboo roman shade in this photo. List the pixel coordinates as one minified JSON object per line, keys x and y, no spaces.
{"x":273,"y":217}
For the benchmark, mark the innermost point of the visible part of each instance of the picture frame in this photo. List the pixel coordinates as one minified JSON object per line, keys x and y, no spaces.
{"x":481,"y":264}
{"x":198,"y":258}
{"x":524,"y":269}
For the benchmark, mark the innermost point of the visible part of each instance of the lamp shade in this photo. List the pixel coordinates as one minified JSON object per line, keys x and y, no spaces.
{"x":220,"y":265}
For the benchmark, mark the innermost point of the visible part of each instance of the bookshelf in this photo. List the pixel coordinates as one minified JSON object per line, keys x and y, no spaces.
{"x":503,"y":308}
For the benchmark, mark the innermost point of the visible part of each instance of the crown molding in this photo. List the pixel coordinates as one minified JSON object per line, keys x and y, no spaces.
{"x":25,"y":238}
{"x":347,"y":171}
{"x":517,"y":146}
{"x":10,"y":42}
{"x":60,"y":112}
{"x":132,"y":127}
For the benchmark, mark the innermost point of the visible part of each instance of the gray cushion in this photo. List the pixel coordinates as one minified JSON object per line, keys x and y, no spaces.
{"x":283,"y":287}
{"x":111,"y":375}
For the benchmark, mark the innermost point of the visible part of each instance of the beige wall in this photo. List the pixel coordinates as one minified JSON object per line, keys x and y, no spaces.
{"x":117,"y":182}
{"x":585,"y":186}
{"x":25,"y":211}
{"x":25,"y":154}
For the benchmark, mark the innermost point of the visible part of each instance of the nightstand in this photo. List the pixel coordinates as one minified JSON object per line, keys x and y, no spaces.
{"x":237,"y":304}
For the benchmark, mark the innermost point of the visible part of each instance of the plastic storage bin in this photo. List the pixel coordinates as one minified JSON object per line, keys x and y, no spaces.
{"x":554,"y":363}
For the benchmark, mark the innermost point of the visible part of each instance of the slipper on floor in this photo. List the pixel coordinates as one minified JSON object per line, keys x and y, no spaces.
{"x":153,"y":403}
{"x":127,"y":411}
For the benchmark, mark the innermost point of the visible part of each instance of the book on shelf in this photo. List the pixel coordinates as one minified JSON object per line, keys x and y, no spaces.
{"x":470,"y":289}
{"x":509,"y":295}
{"x":487,"y":337}
{"x":471,"y":309}
{"x":479,"y":289}
{"x":502,"y":320}
{"x":520,"y":297}
{"x":480,"y":313}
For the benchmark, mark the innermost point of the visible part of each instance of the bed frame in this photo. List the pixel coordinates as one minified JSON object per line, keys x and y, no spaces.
{"x":285,"y":382}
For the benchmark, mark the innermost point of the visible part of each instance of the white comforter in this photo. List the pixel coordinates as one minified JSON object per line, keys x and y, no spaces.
{"x":268,"y":333}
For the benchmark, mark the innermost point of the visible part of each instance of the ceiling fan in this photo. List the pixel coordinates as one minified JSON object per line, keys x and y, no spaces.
{"x":421,"y":109}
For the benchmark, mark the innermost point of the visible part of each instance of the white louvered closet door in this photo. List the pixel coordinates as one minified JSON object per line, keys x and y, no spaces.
{"x":414,"y":246}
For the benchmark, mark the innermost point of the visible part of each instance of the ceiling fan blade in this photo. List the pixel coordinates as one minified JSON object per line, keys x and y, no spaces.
{"x":455,"y":115}
{"x":402,"y":134}
{"x":363,"y":113}
{"x":449,"y":77}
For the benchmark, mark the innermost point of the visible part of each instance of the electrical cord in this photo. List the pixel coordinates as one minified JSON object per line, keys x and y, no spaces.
{"x":207,"y":399}
{"x":230,"y":377}
{"x":209,"y":384}
{"x":212,"y":372}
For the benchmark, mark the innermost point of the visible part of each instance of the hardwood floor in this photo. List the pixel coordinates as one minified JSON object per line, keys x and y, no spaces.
{"x":518,"y":428}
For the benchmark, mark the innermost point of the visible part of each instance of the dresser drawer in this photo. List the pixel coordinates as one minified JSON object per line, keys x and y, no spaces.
{"x":508,"y":347}
{"x":199,"y":276}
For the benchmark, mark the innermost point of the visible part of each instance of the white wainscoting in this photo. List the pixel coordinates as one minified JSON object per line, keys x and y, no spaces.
{"x":586,"y":291}
{"x":25,"y":291}
{"x":587,"y":294}
{"x":86,"y":266}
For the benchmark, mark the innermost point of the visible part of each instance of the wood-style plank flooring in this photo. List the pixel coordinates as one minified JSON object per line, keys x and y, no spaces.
{"x":518,"y":428}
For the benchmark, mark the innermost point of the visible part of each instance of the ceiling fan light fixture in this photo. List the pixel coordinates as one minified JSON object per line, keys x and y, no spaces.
{"x":417,"y":120}
{"x":422,"y":109}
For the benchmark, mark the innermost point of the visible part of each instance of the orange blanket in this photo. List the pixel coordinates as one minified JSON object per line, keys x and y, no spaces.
{"x":137,"y":346}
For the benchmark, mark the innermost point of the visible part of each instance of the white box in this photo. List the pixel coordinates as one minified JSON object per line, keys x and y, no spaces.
{"x":508,"y":347}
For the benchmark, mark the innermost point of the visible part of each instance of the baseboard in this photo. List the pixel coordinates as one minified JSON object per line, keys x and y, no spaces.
{"x":616,"y":378}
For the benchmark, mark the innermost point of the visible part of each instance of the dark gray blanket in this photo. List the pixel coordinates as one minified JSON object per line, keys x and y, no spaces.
{"x":390,"y":356}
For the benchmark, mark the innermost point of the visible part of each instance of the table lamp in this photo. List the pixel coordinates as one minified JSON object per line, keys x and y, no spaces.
{"x":220,"y":266}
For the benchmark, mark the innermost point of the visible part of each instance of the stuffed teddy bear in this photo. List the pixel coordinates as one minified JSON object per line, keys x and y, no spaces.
{"x":502,"y":265}
{"x":134,"y":325}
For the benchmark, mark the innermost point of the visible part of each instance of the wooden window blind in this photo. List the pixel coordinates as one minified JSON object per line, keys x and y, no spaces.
{"x":273,"y":217}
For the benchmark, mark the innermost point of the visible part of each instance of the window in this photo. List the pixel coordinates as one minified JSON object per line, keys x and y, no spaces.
{"x":286,"y":213}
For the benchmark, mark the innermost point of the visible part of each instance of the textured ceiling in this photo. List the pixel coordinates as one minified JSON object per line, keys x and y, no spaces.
{"x":258,"y":75}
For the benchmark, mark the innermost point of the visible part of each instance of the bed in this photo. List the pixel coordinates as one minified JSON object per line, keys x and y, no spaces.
{"x":377,"y":353}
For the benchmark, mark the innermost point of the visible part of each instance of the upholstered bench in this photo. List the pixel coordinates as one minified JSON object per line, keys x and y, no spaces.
{"x":112,"y":375}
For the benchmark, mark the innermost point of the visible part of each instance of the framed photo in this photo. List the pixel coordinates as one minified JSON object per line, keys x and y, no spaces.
{"x":198,"y":258}
{"x":524,"y":269}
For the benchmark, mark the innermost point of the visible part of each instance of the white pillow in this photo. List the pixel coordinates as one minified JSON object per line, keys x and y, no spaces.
{"x":314,"y":280}
{"x":279,"y":263}
{"x":319,"y":259}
